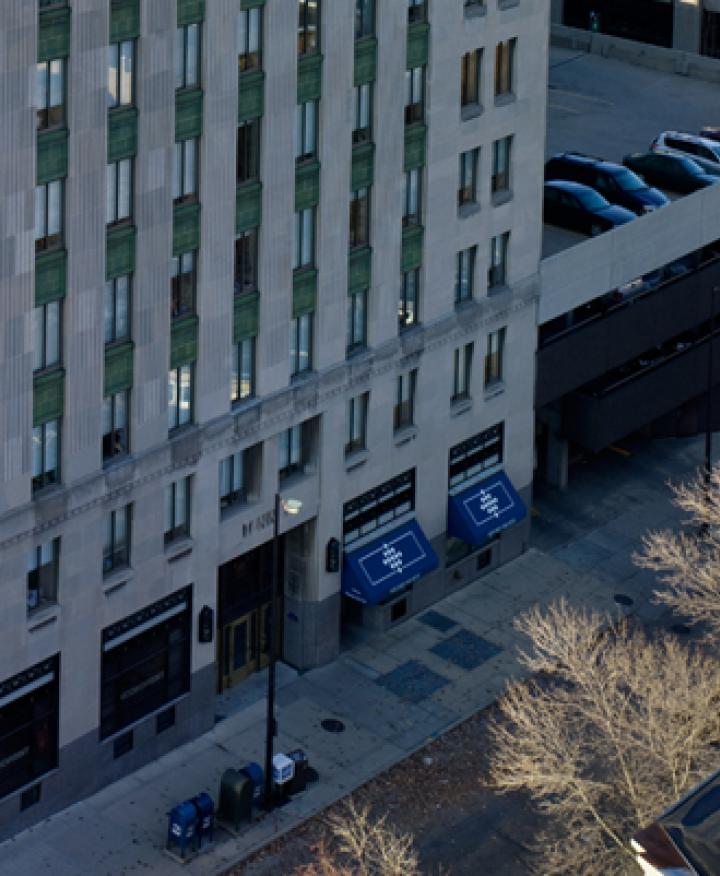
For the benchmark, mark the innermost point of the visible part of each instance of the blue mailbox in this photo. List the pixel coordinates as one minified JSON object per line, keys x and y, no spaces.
{"x":205,"y":809}
{"x":256,"y":775}
{"x":182,"y":827}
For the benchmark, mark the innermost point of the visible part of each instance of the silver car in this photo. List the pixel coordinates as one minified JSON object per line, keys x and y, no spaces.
{"x":706,"y":152}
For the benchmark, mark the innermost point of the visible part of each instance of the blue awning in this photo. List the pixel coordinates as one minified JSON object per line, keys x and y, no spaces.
{"x":373,"y":572}
{"x":483,"y":510}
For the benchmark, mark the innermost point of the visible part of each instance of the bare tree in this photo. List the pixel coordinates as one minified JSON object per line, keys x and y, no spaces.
{"x":689,"y":563}
{"x":611,"y":729}
{"x":363,"y":846}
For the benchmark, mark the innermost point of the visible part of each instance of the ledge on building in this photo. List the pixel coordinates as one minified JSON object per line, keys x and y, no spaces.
{"x":472,"y":111}
{"x":176,"y":550}
{"x":469,"y":209}
{"x":494,"y":389}
{"x":404,"y":434}
{"x":356,"y":458}
{"x":116,"y":580}
{"x":475,"y":10}
{"x":43,"y":617}
{"x":460,"y":405}
{"x":502,"y":197}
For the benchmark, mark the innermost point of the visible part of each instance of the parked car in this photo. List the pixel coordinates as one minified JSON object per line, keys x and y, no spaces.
{"x":711,"y":132}
{"x":580,"y":208}
{"x":613,"y":181}
{"x":692,"y":145}
{"x":674,"y":172}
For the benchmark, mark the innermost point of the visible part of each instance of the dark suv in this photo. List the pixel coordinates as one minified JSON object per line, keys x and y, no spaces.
{"x":614,"y":182}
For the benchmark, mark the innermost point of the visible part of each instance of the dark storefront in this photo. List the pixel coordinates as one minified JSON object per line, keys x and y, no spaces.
{"x":29,"y":725}
{"x":145,"y":662}
{"x":648,"y":21}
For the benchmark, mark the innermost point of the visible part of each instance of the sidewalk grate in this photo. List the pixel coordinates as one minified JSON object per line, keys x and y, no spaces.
{"x":465,"y":649}
{"x":412,"y":681}
{"x":440,"y":622}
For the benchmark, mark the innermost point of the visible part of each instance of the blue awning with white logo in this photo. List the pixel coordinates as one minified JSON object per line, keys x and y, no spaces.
{"x":373,"y":572}
{"x":483,"y":510}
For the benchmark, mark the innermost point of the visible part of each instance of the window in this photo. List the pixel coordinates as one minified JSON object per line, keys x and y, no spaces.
{"x":416,"y":10}
{"x":470,"y":79}
{"x":246,"y":258}
{"x":462,"y":367}
{"x":304,"y":255}
{"x":187,"y":56}
{"x":364,"y":18}
{"x":473,"y":4}
{"x":117,"y":309}
{"x":50,"y":93}
{"x":467,"y":188}
{"x":414,"y":95}
{"x":501,"y":165}
{"x":48,"y":215}
{"x":185,"y":171}
{"x":249,"y":38}
{"x":504,"y":59}
{"x":115,"y":425}
{"x":497,"y":271}
{"x":378,"y":507}
{"x":356,"y":424}
{"x":116,"y":548}
{"x":46,"y":335}
{"x":118,"y":192}
{"x":359,"y":218}
{"x":356,"y":321}
{"x":301,"y":344}
{"x":409,"y":296}
{"x":242,"y":381}
{"x":308,"y":27}
{"x":45,"y":455}
{"x":232,"y":480}
{"x":42,"y":575}
{"x":182,"y":284}
{"x":475,"y":455}
{"x":290,"y":451}
{"x":412,"y":205}
{"x":306,"y":130}
{"x":248,"y":151}
{"x":494,"y":357}
{"x":465,"y":275}
{"x":120,"y":73}
{"x":177,"y":510}
{"x":362,"y":124}
{"x":404,"y":414}
{"x":180,"y":396}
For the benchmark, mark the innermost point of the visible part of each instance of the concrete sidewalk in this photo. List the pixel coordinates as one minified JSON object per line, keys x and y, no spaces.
{"x":392,"y":692}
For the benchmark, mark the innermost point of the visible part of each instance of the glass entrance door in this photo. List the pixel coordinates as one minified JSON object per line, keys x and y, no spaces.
{"x":240,"y":639}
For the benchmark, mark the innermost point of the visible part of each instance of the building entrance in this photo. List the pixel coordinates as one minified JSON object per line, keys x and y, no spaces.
{"x":245,"y":646}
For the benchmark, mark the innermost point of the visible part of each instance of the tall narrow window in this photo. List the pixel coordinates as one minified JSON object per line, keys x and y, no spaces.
{"x":232,"y":486}
{"x":462,"y":367}
{"x":465,"y":274}
{"x":404,"y":414}
{"x":182,"y":284}
{"x":414,"y":95}
{"x":118,"y":191}
{"x":413,"y":200}
{"x":364,"y":18}
{"x":185,"y":170}
{"x":180,"y":396}
{"x":308,"y":27}
{"x":116,"y":546}
{"x":362,"y":123}
{"x":356,"y":321}
{"x":416,"y":10}
{"x":290,"y":451}
{"x":408,"y":302}
{"x":50,"y":93}
{"x":304,"y":256}
{"x":501,"y":165}
{"x":177,"y":510}
{"x":49,"y":215}
{"x":359,"y":218}
{"x":497,"y":270}
{"x":45,"y":454}
{"x":46,"y":335}
{"x":467,"y":188}
{"x":356,"y":438}
{"x":494,"y":357}
{"x":187,"y":56}
{"x":242,"y":385}
{"x":504,"y":62}
{"x":121,"y":61}
{"x":470,"y":79}
{"x":248,"y":151}
{"x":249,"y":38}
{"x":43,"y":565}
{"x":246,"y":262}
{"x":117,"y":309}
{"x":306,"y":130}
{"x":115,"y":425}
{"x":301,"y":344}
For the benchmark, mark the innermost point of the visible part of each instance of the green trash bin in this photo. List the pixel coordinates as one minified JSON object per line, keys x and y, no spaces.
{"x":236,"y":796}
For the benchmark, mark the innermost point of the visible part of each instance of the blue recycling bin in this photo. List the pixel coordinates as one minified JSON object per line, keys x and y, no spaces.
{"x":205,"y":808}
{"x":182,"y":827}
{"x":256,"y":775}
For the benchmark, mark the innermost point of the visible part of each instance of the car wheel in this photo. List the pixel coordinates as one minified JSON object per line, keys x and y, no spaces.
{"x":595,"y":230}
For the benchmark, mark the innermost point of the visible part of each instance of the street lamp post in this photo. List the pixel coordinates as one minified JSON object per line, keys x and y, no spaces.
{"x":708,"y":400}
{"x":292,"y":507}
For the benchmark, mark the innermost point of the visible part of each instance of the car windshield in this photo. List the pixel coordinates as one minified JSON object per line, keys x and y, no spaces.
{"x":690,"y":166}
{"x":628,"y":181}
{"x":591,"y":200}
{"x":715,"y":148}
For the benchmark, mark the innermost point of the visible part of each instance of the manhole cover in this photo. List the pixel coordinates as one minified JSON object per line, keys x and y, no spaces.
{"x":622,"y":599}
{"x":680,"y":629}
{"x":332,"y":725}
